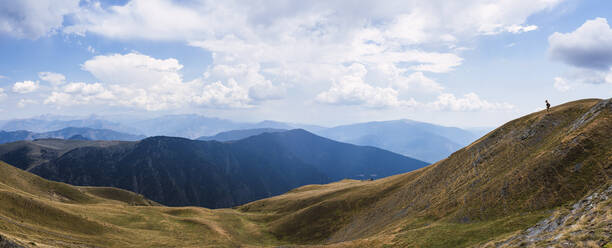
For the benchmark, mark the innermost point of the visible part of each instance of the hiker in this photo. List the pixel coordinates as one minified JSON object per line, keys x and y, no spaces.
{"x":547,"y":106}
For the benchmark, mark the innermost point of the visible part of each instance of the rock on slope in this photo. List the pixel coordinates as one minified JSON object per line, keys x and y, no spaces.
{"x":587,"y":223}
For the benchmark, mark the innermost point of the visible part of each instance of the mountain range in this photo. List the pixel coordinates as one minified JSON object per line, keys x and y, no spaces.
{"x":82,"y":133}
{"x":49,"y":123}
{"x":240,"y":134}
{"x":419,"y":140}
{"x":179,"y":172}
{"x":543,"y":180}
{"x":424,"y":141}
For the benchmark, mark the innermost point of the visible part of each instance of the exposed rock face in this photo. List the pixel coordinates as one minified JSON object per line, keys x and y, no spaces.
{"x":586,"y":224}
{"x":5,"y":243}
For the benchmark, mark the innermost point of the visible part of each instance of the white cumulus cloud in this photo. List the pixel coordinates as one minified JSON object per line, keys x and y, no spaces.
{"x":561,"y":84}
{"x":52,"y":77}
{"x":140,"y":81}
{"x":25,"y":87}
{"x":25,"y":102}
{"x":352,"y":90}
{"x":469,"y":102}
{"x":278,"y":43}
{"x":34,"y":18}
{"x":589,"y":46}
{"x":588,"y":49}
{"x":517,"y":29}
{"x":262,"y":48}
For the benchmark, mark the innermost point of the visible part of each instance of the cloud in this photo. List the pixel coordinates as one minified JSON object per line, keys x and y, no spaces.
{"x":140,"y":81}
{"x":219,"y":95}
{"x":413,"y":21}
{"x":277,"y":43}
{"x":589,"y":46}
{"x":25,"y":102}
{"x":133,"y":69}
{"x":250,"y":77}
{"x":52,"y":77}
{"x":262,"y":48}
{"x":469,"y":102}
{"x":517,"y":29}
{"x":81,"y":93}
{"x":2,"y":77}
{"x":561,"y":84}
{"x":34,"y":18}
{"x":352,"y":90}
{"x":418,"y":82}
{"x":2,"y":94}
{"x":25,"y":87}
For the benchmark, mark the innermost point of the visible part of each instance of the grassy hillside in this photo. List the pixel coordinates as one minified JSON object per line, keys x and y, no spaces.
{"x":503,"y":182}
{"x":35,"y":212}
{"x":28,"y":154}
{"x":485,"y":194}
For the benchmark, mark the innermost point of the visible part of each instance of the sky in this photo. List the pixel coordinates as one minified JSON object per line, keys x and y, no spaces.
{"x":472,"y":63}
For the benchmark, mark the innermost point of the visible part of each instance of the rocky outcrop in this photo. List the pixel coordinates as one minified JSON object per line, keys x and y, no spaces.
{"x":5,"y":243}
{"x":586,"y":224}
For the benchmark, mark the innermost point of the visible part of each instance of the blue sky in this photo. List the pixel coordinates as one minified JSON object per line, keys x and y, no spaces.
{"x":474,"y":63}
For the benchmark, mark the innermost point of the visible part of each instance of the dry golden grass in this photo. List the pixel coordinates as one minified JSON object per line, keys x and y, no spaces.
{"x":501,"y":184}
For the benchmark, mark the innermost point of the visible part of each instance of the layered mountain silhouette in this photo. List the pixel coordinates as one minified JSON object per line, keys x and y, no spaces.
{"x":419,"y":140}
{"x":49,"y":123}
{"x":80,"y":133}
{"x":240,"y":134}
{"x":541,"y":180}
{"x":179,"y":172}
{"x":424,"y":141}
{"x":197,"y":126}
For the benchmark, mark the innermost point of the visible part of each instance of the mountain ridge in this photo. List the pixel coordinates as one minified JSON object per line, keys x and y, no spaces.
{"x":424,"y":141}
{"x":179,"y":172}
{"x":67,"y":133}
{"x":240,"y":134}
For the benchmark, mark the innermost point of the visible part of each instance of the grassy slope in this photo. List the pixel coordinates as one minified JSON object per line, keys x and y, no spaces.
{"x":36,"y":211}
{"x":503,"y":183}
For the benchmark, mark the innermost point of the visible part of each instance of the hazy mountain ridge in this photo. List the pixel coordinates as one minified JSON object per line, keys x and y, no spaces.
{"x":424,"y":141}
{"x":419,"y":140}
{"x":47,"y":124}
{"x":69,"y":133}
{"x":240,"y":134}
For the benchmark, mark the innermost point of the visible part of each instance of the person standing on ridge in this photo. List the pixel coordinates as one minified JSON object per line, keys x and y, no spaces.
{"x":547,"y":105}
